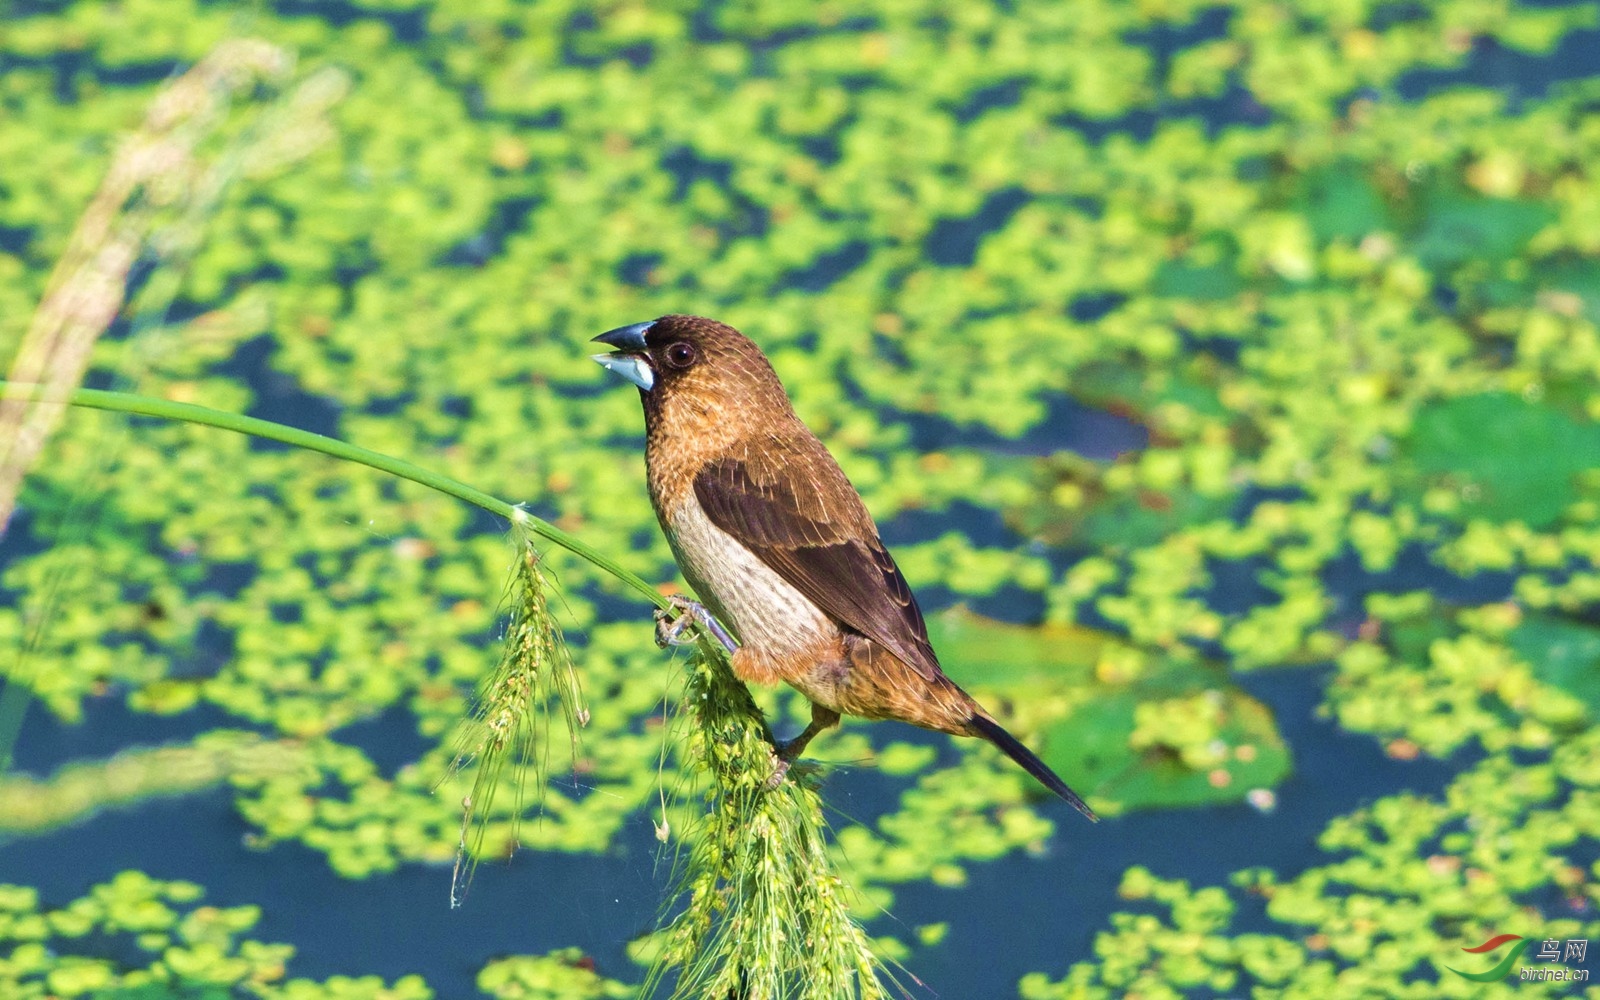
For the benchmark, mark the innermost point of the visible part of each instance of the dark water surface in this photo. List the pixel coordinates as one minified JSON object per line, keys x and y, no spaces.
{"x":1020,"y":913}
{"x":401,"y":923}
{"x":1073,"y":887}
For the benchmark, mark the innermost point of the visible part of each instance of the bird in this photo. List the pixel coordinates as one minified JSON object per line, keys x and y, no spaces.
{"x":773,"y":538}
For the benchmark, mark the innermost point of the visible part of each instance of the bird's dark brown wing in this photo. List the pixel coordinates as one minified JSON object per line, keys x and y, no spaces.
{"x":793,"y":507}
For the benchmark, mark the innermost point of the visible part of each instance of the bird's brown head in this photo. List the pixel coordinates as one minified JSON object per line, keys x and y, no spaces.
{"x":694,"y":370}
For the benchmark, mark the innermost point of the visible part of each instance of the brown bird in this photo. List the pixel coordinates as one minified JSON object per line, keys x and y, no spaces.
{"x":775,"y":540}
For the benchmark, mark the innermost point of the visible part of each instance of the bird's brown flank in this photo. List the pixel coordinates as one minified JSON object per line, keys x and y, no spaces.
{"x":773,"y":538}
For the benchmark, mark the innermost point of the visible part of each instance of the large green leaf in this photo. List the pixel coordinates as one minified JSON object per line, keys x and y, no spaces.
{"x":1134,"y":731}
{"x":1511,"y":459}
{"x":1562,"y":653}
{"x":1460,"y":226}
{"x":1341,"y":201}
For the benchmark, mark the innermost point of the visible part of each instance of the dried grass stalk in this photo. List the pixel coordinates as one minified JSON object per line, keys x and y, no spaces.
{"x":154,"y":199}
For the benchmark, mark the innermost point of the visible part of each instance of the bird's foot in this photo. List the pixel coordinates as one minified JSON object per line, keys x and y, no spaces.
{"x":671,"y":623}
{"x":786,"y":762}
{"x":780,"y":768}
{"x":786,"y":752}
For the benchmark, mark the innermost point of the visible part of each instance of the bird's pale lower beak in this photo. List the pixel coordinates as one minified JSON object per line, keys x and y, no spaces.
{"x":630,"y":366}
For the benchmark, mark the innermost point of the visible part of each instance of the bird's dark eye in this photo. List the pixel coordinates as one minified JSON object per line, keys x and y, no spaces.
{"x":680,"y":355}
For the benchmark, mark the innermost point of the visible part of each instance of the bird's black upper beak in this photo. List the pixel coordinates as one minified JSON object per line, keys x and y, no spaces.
{"x":626,"y":338}
{"x":629,"y":361}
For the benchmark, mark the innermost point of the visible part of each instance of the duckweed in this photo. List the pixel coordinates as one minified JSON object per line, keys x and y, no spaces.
{"x":1341,"y":292}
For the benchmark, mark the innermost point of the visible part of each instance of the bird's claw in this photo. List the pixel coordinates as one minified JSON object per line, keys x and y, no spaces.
{"x":672,"y":622}
{"x":670,"y":625}
{"x":787,"y":750}
{"x":784,"y":755}
{"x":780,"y":767}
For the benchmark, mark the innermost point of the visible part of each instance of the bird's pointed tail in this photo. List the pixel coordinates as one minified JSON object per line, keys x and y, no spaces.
{"x":992,"y":731}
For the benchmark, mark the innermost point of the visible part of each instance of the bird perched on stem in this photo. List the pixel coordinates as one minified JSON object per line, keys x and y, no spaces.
{"x":775,"y":540}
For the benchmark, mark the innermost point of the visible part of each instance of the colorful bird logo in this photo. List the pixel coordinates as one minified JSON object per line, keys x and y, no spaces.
{"x":1503,"y":968}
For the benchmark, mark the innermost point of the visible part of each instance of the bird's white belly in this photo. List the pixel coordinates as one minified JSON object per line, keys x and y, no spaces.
{"x":766,"y":613}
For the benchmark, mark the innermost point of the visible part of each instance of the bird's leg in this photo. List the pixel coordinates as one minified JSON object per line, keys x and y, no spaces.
{"x":821,"y":718}
{"x":670,"y":624}
{"x":784,"y":753}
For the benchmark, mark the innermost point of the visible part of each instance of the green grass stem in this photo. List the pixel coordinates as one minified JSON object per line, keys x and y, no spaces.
{"x":147,"y":406}
{"x":765,"y":916}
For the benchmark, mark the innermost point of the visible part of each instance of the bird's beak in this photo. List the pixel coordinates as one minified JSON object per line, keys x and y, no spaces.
{"x":626,"y":338}
{"x":626,"y":362}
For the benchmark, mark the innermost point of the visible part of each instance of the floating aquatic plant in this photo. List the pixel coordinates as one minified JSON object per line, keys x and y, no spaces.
{"x":766,"y":914}
{"x":1320,"y":262}
{"x":171,"y":946}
